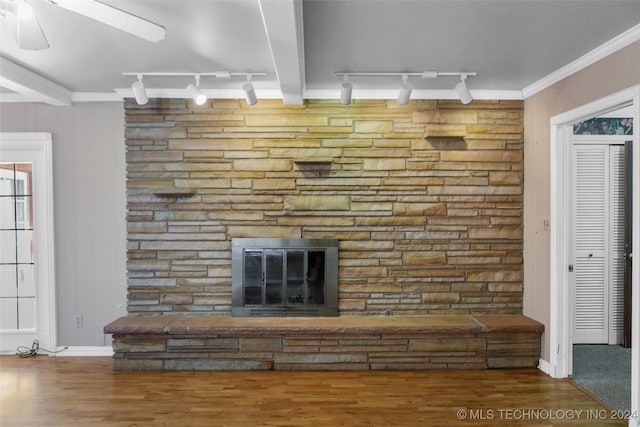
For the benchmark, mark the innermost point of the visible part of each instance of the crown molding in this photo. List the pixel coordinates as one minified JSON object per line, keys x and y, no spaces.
{"x":96,"y":97}
{"x":15,"y":97}
{"x":120,"y":94}
{"x":75,"y":97}
{"x":623,"y":40}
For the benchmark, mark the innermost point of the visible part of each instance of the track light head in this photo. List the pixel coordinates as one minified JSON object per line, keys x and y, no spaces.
{"x":405,"y":91}
{"x":345,"y":91}
{"x":139,"y":92}
{"x":195,"y":93}
{"x":462,"y":91}
{"x":250,"y":93}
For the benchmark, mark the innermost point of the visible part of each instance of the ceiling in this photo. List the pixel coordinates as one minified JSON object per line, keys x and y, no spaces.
{"x":512,"y":45}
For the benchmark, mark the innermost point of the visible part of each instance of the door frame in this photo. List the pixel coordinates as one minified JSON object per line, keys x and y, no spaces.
{"x":560,"y":329}
{"x":40,"y":152}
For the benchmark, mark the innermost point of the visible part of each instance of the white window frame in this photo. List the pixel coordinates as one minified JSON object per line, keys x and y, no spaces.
{"x":36,"y":148}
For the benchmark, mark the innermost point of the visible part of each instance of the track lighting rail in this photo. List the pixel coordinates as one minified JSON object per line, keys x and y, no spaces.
{"x":194,"y":91}
{"x":217,"y":74}
{"x":422,"y":74}
{"x":406,"y":88}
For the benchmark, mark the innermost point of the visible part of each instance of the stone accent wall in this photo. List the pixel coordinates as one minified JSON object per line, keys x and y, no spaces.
{"x":426,"y":200}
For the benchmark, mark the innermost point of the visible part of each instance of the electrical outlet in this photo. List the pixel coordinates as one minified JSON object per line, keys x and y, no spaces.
{"x":79,"y":321}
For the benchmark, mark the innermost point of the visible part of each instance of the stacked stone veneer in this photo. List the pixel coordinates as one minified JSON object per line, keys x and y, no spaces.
{"x":426,"y":200}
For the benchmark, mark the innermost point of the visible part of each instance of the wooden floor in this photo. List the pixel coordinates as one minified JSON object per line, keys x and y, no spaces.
{"x":77,"y":391}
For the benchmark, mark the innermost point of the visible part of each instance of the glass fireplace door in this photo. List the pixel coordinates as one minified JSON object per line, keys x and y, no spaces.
{"x":252,"y":277}
{"x":272,"y":274}
{"x":274,"y":280}
{"x":296,"y":289}
{"x":315,"y":277}
{"x":293,"y":279}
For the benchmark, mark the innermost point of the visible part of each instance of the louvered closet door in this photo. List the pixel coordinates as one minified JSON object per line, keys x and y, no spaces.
{"x":598,"y":192}
{"x":616,"y":231}
{"x":590,"y":233}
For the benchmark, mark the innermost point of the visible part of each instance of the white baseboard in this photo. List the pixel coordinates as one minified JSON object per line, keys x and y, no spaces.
{"x":71,"y":351}
{"x":546,"y":367}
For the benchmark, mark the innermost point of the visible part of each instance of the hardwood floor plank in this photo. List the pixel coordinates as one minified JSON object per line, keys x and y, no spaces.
{"x":83,"y":391}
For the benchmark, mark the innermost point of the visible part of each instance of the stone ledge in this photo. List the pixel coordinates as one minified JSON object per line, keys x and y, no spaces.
{"x":306,"y":326}
{"x":324,"y":343}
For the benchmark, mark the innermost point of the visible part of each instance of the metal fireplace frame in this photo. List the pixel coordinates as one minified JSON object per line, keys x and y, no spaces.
{"x":328,"y":308}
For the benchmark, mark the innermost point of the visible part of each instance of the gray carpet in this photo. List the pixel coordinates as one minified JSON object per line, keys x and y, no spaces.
{"x":605,"y":372}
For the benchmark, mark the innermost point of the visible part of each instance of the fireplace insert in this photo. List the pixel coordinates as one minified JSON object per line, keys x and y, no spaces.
{"x":284,"y":277}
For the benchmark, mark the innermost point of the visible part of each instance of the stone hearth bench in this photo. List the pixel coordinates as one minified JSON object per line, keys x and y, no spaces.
{"x":324,"y":343}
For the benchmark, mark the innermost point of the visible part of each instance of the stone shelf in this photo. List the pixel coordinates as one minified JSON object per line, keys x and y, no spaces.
{"x":325,"y":343}
{"x":173,"y":192}
{"x":314,"y":161}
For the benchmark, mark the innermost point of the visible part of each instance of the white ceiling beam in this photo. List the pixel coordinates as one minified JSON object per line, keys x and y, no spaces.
{"x":32,"y":85}
{"x":116,"y":18}
{"x":284,"y":26}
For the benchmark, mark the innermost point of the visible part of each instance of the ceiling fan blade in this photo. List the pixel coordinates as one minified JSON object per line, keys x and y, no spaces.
{"x":30,"y":35}
{"x":115,"y":17}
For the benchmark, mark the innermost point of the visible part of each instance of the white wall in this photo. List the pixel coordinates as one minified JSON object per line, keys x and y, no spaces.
{"x":89,"y":208}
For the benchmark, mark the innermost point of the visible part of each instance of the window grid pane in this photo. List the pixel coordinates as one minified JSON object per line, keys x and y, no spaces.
{"x":17,"y":288}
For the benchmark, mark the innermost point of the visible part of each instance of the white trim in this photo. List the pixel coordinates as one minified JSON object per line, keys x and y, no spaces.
{"x":559,"y":363}
{"x":272,"y":93}
{"x":608,"y":103}
{"x":635,"y":269}
{"x":630,"y":36}
{"x":97,"y":97}
{"x":76,"y":351}
{"x":14,"y":97}
{"x":269,"y":90}
{"x":75,"y":97}
{"x":560,"y":325}
{"x":546,"y":367}
{"x":600,"y":139}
